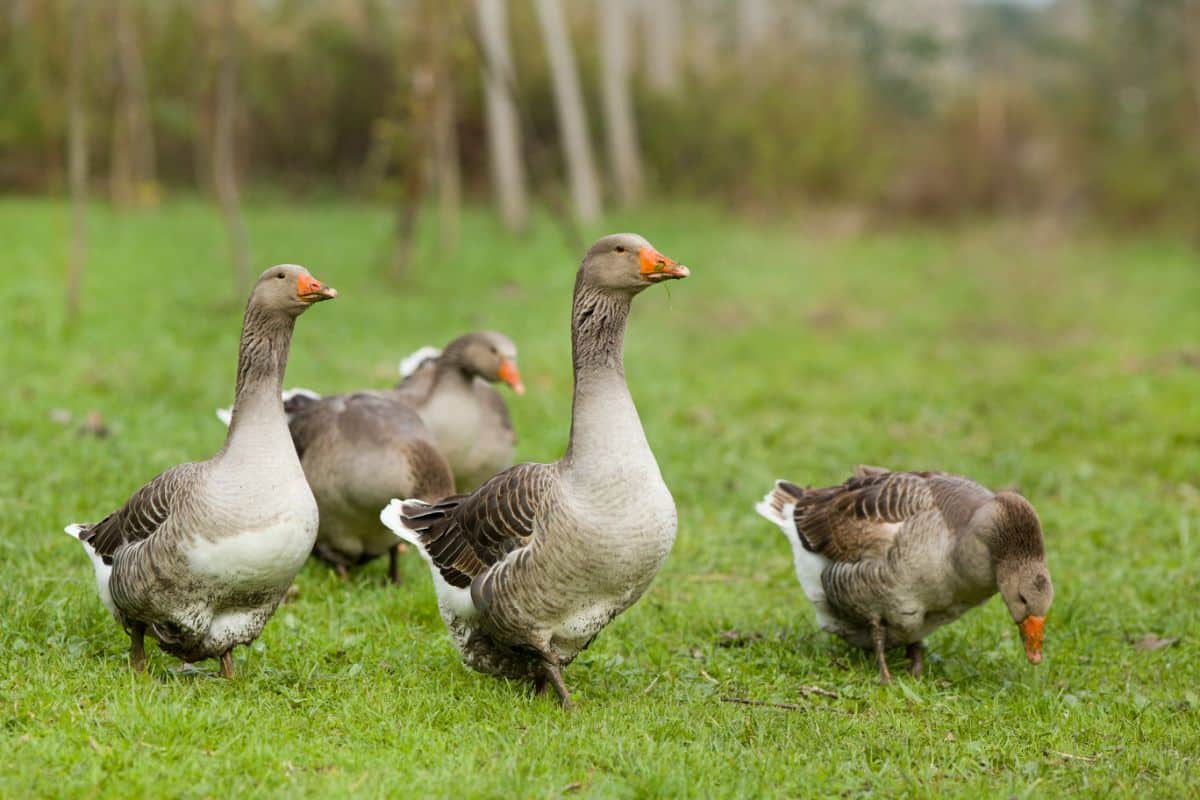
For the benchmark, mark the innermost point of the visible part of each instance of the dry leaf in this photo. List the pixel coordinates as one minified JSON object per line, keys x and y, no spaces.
{"x":1152,"y":642}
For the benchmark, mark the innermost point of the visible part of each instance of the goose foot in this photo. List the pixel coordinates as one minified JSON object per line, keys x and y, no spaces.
{"x":916,"y":656}
{"x":227,"y":664}
{"x":394,"y":564}
{"x":137,"y":647}
{"x":554,"y":674}
{"x":342,"y":572}
{"x":879,"y":634}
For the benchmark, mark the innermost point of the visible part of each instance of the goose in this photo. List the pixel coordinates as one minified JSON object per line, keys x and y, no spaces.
{"x":450,"y":389}
{"x":888,"y":557}
{"x":201,"y":555}
{"x":535,"y":562}
{"x":358,"y":451}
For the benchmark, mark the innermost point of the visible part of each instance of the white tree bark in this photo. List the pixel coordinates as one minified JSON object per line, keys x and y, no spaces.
{"x":77,"y":155}
{"x":134,"y":179}
{"x":572,"y":122}
{"x":504,"y":130}
{"x":624,"y":161}
{"x":662,"y":34}
{"x":224,"y":155}
{"x":754,"y":21}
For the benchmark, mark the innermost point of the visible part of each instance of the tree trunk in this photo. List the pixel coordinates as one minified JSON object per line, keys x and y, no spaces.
{"x":661,"y":40}
{"x":622,"y":140}
{"x":224,"y":151}
{"x":504,"y":131}
{"x":754,"y":21}
{"x":77,"y":155}
{"x":572,"y":122}
{"x":134,"y":182}
{"x":444,"y":132}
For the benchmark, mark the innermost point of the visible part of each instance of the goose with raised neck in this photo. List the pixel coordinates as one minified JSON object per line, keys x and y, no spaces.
{"x":888,"y":557}
{"x":452,"y":390}
{"x":202,"y":555}
{"x":530,"y":567}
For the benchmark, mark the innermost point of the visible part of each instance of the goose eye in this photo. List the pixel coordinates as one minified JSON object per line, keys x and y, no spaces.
{"x":281,"y":276}
{"x":620,"y":249}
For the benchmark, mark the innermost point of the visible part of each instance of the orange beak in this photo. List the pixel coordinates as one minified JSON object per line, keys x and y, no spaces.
{"x":1031,"y":634}
{"x":510,"y":375}
{"x":311,"y":290}
{"x":657,"y":267}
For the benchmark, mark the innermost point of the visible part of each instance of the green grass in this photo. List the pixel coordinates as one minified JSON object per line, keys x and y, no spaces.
{"x":1065,"y":367}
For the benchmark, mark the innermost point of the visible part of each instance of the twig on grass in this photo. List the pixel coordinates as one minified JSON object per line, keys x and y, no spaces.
{"x":1070,"y":757}
{"x":745,"y":701}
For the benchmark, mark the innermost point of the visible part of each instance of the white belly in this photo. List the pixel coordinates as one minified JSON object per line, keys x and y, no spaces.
{"x":263,"y":557}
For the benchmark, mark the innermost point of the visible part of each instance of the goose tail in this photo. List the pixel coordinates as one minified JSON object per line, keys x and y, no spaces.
{"x":413,"y":361}
{"x":102,"y":567}
{"x":779,"y":504}
{"x":455,"y":602}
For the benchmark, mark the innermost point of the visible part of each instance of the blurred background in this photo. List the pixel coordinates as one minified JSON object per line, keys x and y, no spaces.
{"x":862,"y":112}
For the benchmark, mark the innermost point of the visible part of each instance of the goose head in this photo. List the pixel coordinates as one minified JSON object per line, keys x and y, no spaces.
{"x":1018,"y":551}
{"x":289,"y":289}
{"x":488,"y":355}
{"x":627,"y":263}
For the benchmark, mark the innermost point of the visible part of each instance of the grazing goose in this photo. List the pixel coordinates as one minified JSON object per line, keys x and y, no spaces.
{"x":531,"y":566}
{"x":359,"y":451}
{"x":201,"y":555}
{"x":888,"y":557}
{"x":451,"y":391}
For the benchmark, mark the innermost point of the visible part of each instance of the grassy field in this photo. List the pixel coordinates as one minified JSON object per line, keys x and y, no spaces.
{"x":1067,"y":367}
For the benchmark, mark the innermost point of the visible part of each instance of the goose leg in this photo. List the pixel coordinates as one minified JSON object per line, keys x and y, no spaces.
{"x":227,"y":664}
{"x":554,"y":673}
{"x":342,"y":572}
{"x":916,"y":656}
{"x":394,"y":563}
{"x":879,"y":633}
{"x":137,"y":647}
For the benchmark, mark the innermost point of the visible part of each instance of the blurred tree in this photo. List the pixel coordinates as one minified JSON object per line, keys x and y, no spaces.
{"x":224,"y":158}
{"x":615,"y":34}
{"x":755,"y":19}
{"x":443,"y":21}
{"x":572,"y":122}
{"x":77,"y":152}
{"x":133,"y":178}
{"x":662,"y":36}
{"x":504,"y":131}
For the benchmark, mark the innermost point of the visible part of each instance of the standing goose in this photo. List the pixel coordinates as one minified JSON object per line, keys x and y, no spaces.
{"x":201,"y":555}
{"x":358,"y":451}
{"x":887,"y":557}
{"x":531,"y":566}
{"x":451,"y":391}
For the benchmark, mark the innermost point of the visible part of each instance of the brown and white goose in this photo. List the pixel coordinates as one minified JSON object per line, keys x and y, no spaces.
{"x":358,"y":451}
{"x":451,"y":390}
{"x":201,"y":555}
{"x":531,"y":566}
{"x":887,"y":557}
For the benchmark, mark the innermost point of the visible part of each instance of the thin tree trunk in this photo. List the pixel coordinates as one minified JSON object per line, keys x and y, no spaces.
{"x":134,"y":182}
{"x":663,"y":34}
{"x":224,"y":154}
{"x":504,"y":131}
{"x":77,"y":155}
{"x":622,"y":140}
{"x":572,"y":122}
{"x":444,"y":132}
{"x":754,"y":21}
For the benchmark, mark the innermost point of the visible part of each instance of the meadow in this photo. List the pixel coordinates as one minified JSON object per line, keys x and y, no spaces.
{"x":1064,"y":364}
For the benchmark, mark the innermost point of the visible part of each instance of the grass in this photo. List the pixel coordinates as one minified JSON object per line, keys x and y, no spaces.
{"x":1065,"y":367}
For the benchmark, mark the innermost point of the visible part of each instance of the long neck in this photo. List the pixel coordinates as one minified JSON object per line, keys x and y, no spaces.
{"x":604,"y":421}
{"x":262,"y":358}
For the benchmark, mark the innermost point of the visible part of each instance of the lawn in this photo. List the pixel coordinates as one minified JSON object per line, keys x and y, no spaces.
{"x":1065,"y":365}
